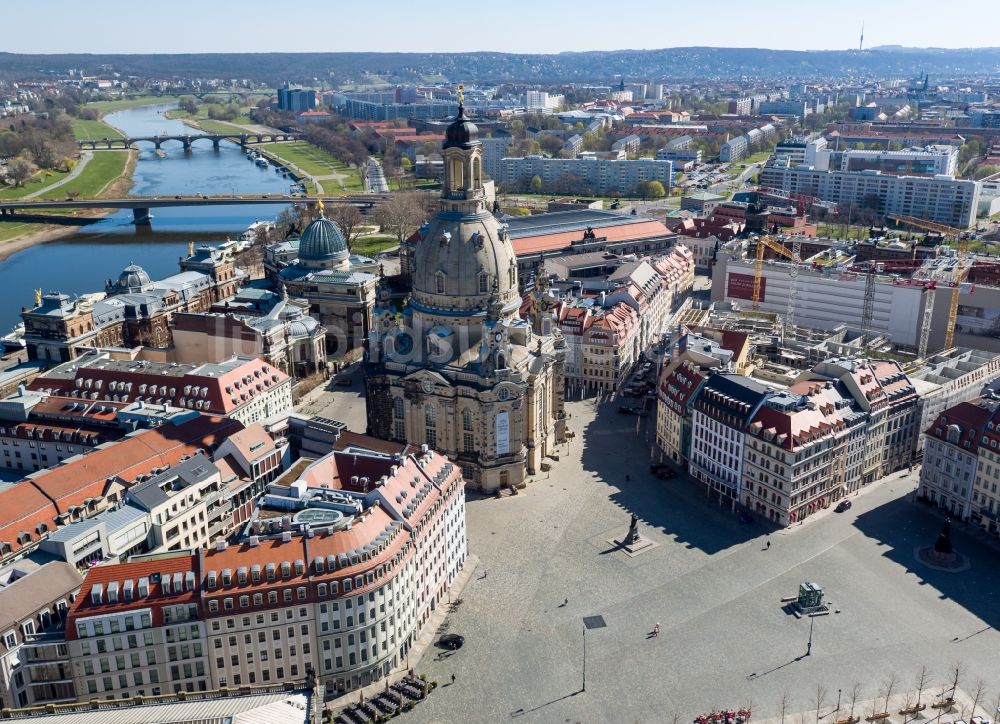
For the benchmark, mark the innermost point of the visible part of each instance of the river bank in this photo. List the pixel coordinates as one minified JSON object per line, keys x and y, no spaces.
{"x":46,"y":233}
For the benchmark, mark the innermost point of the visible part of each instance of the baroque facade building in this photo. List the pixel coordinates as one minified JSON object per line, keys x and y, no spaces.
{"x":458,"y":369}
{"x":132,"y":311}
{"x":340,"y":295}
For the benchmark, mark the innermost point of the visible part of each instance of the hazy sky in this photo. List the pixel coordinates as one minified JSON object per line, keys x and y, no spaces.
{"x":518,"y":26}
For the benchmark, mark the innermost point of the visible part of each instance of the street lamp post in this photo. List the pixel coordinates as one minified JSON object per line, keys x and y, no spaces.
{"x":584,"y":688}
{"x":838,"y":701}
{"x":809,"y":646}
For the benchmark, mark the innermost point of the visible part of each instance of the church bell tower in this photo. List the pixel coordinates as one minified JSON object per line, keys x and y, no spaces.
{"x":462,"y":190}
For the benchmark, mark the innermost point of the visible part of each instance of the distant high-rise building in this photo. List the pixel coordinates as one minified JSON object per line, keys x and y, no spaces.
{"x":296,"y":99}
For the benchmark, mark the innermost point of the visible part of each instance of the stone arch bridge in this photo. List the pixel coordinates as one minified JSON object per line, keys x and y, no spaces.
{"x":188,"y":139}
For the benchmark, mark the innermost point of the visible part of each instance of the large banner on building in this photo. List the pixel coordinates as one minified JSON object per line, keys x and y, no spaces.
{"x":503,"y":433}
{"x":740,"y":286}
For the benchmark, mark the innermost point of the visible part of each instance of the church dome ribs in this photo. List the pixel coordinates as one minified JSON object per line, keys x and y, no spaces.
{"x":322,"y":241}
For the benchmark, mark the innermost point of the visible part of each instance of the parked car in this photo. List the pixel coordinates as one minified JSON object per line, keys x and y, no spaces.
{"x":452,"y":641}
{"x":343,"y":382}
{"x":624,"y":410}
{"x":843,"y":505}
{"x":666,"y":473}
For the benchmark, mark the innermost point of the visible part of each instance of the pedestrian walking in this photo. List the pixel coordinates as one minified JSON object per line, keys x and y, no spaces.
{"x":769,"y":544}
{"x":452,"y":678}
{"x":628,"y":478}
{"x":565,"y":602}
{"x":656,"y":630}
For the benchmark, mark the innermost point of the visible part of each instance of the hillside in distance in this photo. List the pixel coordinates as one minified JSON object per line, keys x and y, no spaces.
{"x":490,"y":67}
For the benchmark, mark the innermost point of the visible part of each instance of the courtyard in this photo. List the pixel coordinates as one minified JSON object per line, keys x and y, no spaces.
{"x":709,"y":582}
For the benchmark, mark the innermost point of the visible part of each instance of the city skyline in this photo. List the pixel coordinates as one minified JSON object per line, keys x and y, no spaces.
{"x":523,"y":28}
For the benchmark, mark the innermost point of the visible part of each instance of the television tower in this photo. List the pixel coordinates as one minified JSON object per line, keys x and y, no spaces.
{"x":861,"y":43}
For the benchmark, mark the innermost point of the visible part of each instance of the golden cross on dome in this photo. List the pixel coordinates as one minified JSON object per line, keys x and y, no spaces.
{"x":461,"y":94}
{"x":320,"y":209}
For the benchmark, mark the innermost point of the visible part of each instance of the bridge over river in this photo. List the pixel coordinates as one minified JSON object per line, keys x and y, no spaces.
{"x":141,"y":205}
{"x":188,"y":139}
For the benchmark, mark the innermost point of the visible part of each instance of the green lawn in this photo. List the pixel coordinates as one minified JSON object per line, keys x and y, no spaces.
{"x":39,"y":182}
{"x":372,"y":245}
{"x":10,"y":229}
{"x":104,"y":167}
{"x":119,"y":105}
{"x":86,"y":130}
{"x":316,"y":162}
{"x":211,"y":126}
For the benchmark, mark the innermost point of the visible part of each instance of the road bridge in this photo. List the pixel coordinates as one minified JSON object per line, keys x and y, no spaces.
{"x":141,"y":205}
{"x":189,"y":139}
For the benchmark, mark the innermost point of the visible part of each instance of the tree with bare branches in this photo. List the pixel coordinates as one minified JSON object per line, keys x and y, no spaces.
{"x":922,"y":682}
{"x":20,"y":170}
{"x":401,"y":214}
{"x":348,"y":219}
{"x":980,"y":690}
{"x":855,"y":693}
{"x":957,"y":671}
{"x":820,"y":698}
{"x":784,"y":705}
{"x":890,"y":684}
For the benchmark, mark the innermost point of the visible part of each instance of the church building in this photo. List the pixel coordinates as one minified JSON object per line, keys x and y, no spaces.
{"x":457,"y":368}
{"x":340,"y":296}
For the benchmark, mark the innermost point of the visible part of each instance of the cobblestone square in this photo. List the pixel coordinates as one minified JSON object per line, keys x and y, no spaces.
{"x":713,"y":587}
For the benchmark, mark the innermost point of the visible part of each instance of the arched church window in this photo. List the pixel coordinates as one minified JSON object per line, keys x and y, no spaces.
{"x":440,"y":282}
{"x":466,"y":419}
{"x":457,"y":174}
{"x":484,"y":283}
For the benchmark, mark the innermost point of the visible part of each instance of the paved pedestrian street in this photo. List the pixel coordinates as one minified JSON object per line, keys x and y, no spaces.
{"x":713,"y":587}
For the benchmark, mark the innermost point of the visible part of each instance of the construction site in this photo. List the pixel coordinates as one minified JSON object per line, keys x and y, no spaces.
{"x":900,"y":295}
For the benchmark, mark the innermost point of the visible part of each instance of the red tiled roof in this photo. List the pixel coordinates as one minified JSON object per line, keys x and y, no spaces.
{"x":225,"y":393}
{"x":25,"y":507}
{"x":678,"y":383}
{"x":971,"y":420}
{"x":87,"y":477}
{"x":156,"y":568}
{"x":565,"y":239}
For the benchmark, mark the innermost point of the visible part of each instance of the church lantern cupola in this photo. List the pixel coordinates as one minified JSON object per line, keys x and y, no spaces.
{"x":463,"y":158}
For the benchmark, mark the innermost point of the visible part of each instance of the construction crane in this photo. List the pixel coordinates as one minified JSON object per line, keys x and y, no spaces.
{"x":802,"y":201}
{"x":875,"y":267}
{"x":961,"y":271}
{"x":796,"y":256}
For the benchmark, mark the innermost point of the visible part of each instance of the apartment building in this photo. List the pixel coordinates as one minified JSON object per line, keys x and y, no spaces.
{"x":85,"y":485}
{"x":952,"y":447}
{"x":805,"y":449}
{"x":605,"y":177}
{"x":340,"y":594}
{"x":985,"y":503}
{"x":601,"y":344}
{"x":693,"y":357}
{"x":948,"y":378}
{"x":33,"y":606}
{"x":928,"y":161}
{"x":186,"y":505}
{"x":247,"y":389}
{"x":721,"y":414}
{"x":734,"y":149}
{"x":942,"y":199}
